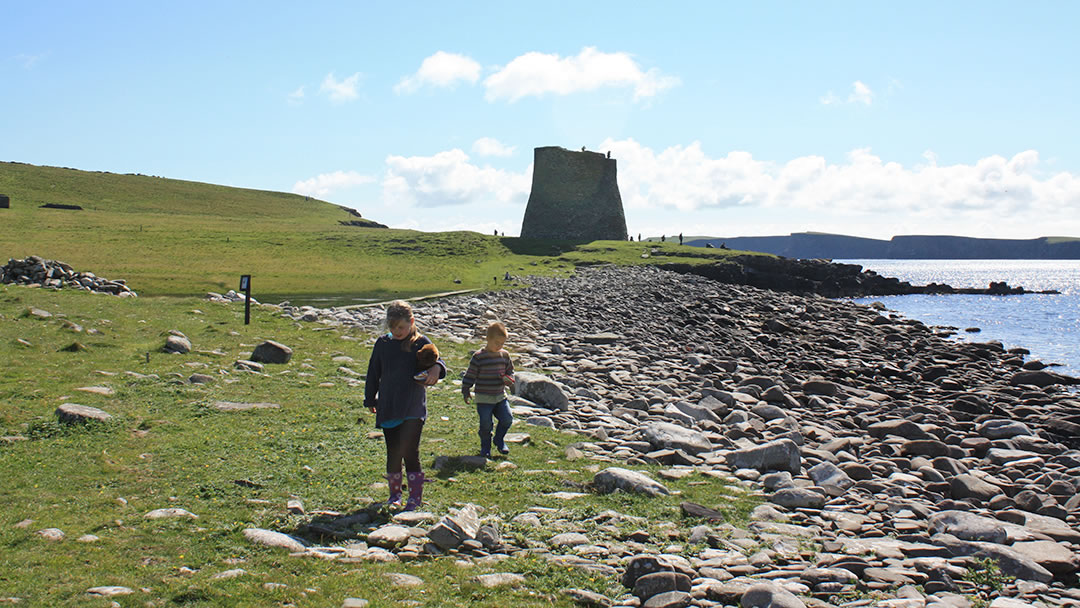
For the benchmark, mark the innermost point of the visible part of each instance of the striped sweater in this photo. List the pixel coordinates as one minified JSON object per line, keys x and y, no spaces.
{"x":486,"y":371}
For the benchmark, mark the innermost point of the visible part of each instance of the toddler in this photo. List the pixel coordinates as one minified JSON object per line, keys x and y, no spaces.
{"x":490,"y":371}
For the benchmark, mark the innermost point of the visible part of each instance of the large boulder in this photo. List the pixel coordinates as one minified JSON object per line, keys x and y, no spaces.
{"x":615,"y":478}
{"x":271,"y":352}
{"x":667,"y":435}
{"x":779,"y":455}
{"x":541,"y":390}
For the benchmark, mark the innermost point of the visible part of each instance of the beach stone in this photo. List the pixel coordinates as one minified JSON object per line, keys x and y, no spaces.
{"x":500,"y":579}
{"x":656,"y":583}
{"x":399,"y":579}
{"x":968,"y":486}
{"x":670,"y":599}
{"x":179,"y":345}
{"x":661,"y":435}
{"x":779,"y":455}
{"x":584,"y":597}
{"x":798,"y":498}
{"x":828,"y":474}
{"x":568,"y":539}
{"x":642,"y":565}
{"x":104,"y":391}
{"x":1050,"y":526}
{"x":1041,"y":379}
{"x":901,"y":428}
{"x":248,"y":365}
{"x":354,"y":602}
{"x":616,"y":478}
{"x":269,"y":538}
{"x":1052,"y":555}
{"x":455,"y":528}
{"x":171,"y":513}
{"x":227,"y":574}
{"x":968,"y":526}
{"x":53,"y":534}
{"x":232,"y":406}
{"x":389,"y":537}
{"x":1011,"y":562}
{"x":200,"y":379}
{"x":73,"y":413}
{"x":272,"y":352}
{"x":111,"y":591}
{"x":1002,"y":429}
{"x":541,"y":390}
{"x":769,"y":595}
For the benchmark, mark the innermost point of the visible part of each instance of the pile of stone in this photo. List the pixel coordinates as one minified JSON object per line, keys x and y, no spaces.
{"x":35,"y":271}
{"x":890,"y":460}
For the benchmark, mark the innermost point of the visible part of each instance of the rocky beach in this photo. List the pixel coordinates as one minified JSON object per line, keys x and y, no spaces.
{"x":891,"y":462}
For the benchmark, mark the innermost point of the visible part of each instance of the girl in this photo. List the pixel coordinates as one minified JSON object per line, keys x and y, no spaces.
{"x":398,"y":399}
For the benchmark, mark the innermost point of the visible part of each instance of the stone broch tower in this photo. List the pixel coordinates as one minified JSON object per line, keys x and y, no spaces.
{"x":575,"y":196}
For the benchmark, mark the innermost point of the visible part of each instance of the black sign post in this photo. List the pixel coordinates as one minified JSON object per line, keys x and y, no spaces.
{"x":245,"y":286}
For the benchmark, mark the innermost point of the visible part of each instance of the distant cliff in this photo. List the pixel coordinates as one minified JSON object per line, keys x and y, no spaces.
{"x":813,"y":245}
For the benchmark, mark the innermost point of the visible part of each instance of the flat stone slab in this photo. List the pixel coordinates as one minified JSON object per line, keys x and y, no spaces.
{"x":109,"y":591}
{"x":233,"y":406}
{"x":500,"y":579}
{"x":73,"y":413}
{"x":104,"y":391}
{"x":173,"y":513}
{"x":269,"y":538}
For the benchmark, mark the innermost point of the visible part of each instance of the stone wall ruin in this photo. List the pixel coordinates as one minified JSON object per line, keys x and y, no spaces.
{"x":575,"y":196}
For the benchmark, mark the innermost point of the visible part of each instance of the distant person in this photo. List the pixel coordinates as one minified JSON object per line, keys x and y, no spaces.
{"x":723,"y":245}
{"x":582,"y":148}
{"x":491,"y":371}
{"x":507,"y":276}
{"x":609,"y":153}
{"x":496,"y":233}
{"x":663,"y":238}
{"x":398,"y":398}
{"x":639,"y":237}
{"x":680,"y":238}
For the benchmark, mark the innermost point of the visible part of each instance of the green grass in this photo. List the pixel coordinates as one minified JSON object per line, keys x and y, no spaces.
{"x":172,"y":237}
{"x":168,"y":447}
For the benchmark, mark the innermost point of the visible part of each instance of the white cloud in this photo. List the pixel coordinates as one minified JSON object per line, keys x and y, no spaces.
{"x":489,"y":146}
{"x":989,"y":192}
{"x":328,"y":183}
{"x":449,"y":178}
{"x":29,"y":62}
{"x":860,"y":93}
{"x":297,"y":96}
{"x":537,"y":74}
{"x":441,"y":70}
{"x":343,"y":90}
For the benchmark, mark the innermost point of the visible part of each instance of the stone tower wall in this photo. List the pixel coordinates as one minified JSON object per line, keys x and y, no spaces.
{"x":575,"y":196}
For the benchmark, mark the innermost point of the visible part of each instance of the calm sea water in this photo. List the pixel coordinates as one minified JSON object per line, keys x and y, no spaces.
{"x":1047,"y":325}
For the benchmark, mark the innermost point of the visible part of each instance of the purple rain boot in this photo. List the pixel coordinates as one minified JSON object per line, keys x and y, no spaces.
{"x":416,"y":490}
{"x":395,"y":488}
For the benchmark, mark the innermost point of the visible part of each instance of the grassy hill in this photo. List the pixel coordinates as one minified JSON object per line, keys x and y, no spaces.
{"x":174,"y":237}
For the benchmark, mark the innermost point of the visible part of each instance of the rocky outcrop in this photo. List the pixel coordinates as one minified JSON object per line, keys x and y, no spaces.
{"x":821,"y":277}
{"x":35,"y":271}
{"x":575,"y":196}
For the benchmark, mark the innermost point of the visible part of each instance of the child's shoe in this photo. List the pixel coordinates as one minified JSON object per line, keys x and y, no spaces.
{"x":416,"y":491}
{"x":394,"y":480}
{"x":484,"y":454}
{"x":503,"y":449}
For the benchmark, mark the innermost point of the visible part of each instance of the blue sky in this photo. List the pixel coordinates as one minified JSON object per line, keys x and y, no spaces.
{"x":727,"y":119}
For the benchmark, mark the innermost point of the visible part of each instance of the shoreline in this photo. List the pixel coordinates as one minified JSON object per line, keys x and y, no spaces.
{"x":902,"y":455}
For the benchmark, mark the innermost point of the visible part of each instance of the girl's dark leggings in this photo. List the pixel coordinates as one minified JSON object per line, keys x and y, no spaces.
{"x":403,"y":444}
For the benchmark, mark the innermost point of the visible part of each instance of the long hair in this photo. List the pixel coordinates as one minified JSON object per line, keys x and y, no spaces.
{"x":400,"y":310}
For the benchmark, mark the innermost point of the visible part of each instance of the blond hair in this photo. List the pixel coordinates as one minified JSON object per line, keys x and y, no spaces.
{"x":400,"y":310}
{"x":497,"y":329}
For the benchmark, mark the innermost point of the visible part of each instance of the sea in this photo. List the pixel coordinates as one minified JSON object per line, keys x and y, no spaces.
{"x":1048,"y":325}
